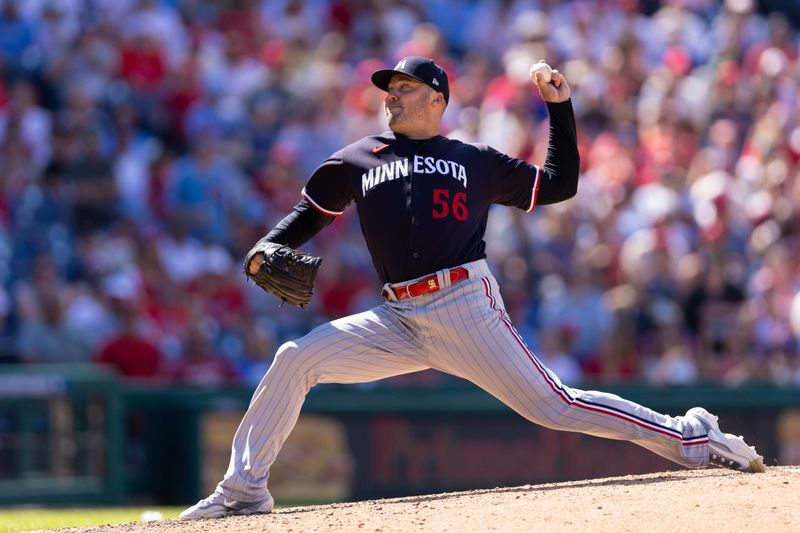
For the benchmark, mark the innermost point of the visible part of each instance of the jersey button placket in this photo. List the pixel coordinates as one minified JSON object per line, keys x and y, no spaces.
{"x":415,"y":213}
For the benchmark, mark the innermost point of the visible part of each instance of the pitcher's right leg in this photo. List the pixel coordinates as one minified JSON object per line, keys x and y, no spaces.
{"x":355,"y":349}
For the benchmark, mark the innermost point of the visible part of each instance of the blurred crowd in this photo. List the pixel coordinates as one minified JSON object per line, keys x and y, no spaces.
{"x":145,"y":145}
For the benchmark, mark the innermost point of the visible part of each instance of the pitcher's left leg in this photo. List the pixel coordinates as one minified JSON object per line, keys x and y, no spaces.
{"x":479,"y":343}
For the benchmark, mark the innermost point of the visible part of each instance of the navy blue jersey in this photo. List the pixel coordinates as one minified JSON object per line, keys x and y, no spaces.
{"x":423,"y":205}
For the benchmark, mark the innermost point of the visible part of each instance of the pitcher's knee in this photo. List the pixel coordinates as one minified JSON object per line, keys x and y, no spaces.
{"x":290,"y":355}
{"x":292,"y":363}
{"x":553,"y":415}
{"x":285,"y":350}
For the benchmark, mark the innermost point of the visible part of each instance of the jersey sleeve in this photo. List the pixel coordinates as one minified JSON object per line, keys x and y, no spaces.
{"x":522,"y":184}
{"x":297,"y":228}
{"x":328,"y":189}
{"x":559,"y":176}
{"x":514,"y":182}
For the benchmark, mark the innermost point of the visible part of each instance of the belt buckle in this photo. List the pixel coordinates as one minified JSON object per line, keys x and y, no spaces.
{"x":412,"y":295}
{"x":402,"y":293}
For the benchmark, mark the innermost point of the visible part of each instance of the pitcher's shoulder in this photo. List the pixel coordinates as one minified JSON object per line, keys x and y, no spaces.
{"x":372,"y":144}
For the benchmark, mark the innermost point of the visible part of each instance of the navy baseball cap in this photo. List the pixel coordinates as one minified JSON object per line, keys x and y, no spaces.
{"x":422,"y":68}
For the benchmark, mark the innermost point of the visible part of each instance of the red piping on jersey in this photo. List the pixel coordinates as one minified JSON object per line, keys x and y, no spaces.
{"x":318,"y":207}
{"x":535,"y":191}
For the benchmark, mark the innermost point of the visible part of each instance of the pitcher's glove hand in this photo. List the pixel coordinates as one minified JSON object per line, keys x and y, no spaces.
{"x":285,"y":272}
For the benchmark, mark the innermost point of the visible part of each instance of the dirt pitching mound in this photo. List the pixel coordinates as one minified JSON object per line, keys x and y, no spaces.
{"x":699,"y":500}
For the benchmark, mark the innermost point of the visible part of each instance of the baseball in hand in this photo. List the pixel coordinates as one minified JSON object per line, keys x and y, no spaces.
{"x":544,"y":69}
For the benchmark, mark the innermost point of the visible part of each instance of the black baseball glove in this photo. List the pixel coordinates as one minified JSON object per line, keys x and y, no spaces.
{"x":286,"y":273}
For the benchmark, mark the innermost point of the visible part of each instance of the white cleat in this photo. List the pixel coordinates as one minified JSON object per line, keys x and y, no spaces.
{"x":217,"y":506}
{"x":726,"y":450}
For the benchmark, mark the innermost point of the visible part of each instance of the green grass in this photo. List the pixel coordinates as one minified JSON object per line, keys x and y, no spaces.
{"x":30,"y":518}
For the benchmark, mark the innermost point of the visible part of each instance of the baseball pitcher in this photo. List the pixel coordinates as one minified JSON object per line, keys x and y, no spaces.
{"x":423,"y":202}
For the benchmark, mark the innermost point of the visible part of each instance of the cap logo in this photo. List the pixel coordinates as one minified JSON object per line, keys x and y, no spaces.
{"x":401,"y":65}
{"x":435,"y":82}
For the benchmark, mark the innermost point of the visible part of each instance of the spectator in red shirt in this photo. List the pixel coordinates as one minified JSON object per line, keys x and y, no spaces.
{"x":129,"y":351}
{"x":141,"y":63}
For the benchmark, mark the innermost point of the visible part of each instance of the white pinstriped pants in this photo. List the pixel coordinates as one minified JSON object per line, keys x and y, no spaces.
{"x":462,"y":330}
